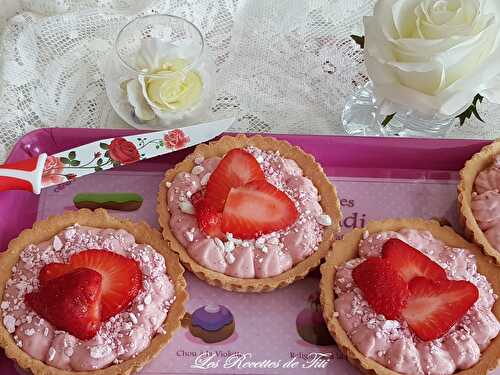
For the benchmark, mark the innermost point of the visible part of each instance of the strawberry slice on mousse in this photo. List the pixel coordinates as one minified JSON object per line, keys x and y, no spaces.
{"x":239,"y":200}
{"x":121,"y":277}
{"x":382,"y":286}
{"x":410,"y":262}
{"x":435,"y":306}
{"x":406,"y":284}
{"x":71,"y":302}
{"x":237,"y":168}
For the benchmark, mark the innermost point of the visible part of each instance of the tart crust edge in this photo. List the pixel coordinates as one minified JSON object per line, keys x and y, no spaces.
{"x":479,"y":161}
{"x":329,"y":202}
{"x":143,"y":233}
{"x":347,"y":249}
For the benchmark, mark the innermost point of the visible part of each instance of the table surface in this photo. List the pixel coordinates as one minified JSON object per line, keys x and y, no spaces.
{"x":283,"y":66}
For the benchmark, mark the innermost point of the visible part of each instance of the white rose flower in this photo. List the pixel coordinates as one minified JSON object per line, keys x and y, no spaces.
{"x":433,"y":56}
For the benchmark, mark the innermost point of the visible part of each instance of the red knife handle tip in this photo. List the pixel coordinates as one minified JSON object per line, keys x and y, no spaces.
{"x":23,"y":175}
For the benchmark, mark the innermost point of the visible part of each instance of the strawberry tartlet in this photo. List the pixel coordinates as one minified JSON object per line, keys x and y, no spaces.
{"x":479,"y":199}
{"x":412,"y":297}
{"x":88,"y":292}
{"x":249,"y":214}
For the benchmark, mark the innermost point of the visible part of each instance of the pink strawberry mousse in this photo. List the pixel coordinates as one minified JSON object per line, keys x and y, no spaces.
{"x":123,"y":336}
{"x":486,"y":202}
{"x":266,"y":256}
{"x":391,"y":342}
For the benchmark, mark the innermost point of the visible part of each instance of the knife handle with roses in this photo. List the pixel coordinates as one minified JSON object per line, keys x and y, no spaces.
{"x":47,"y":170}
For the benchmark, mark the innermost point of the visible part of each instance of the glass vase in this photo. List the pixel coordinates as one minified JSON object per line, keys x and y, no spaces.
{"x":361,"y":116}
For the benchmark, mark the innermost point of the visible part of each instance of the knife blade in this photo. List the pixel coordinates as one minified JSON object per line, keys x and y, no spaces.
{"x":44,"y":171}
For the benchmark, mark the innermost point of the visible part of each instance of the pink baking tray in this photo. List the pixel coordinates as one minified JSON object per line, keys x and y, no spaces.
{"x":372,"y":161}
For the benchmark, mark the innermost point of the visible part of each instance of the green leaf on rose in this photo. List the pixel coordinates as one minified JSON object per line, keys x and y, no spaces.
{"x":106,"y":154}
{"x":471,"y":110}
{"x":99,"y":161}
{"x":360,"y":40}
{"x":97,"y":169}
{"x":388,"y":119}
{"x":65,"y":160}
{"x":74,"y":163}
{"x":104,"y":146}
{"x":72,"y":155}
{"x":116,"y":163}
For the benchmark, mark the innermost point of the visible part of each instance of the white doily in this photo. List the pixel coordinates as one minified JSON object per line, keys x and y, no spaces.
{"x":283,"y":66}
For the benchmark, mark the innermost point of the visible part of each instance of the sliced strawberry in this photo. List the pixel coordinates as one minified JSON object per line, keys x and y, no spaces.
{"x":435,"y":306}
{"x":236,"y":169}
{"x":71,"y":302}
{"x":121,"y":277}
{"x":209,"y":221}
{"x":382,"y":286}
{"x":51,"y":271}
{"x":257,"y":208}
{"x":197,"y":199}
{"x":410,"y":262}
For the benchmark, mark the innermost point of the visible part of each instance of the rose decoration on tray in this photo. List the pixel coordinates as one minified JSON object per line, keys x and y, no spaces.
{"x":434,"y":56}
{"x":118,"y":152}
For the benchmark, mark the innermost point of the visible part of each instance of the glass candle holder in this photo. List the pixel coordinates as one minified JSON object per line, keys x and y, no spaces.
{"x":159,"y":74}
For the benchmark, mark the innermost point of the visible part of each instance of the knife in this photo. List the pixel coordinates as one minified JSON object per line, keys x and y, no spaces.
{"x":44,"y":171}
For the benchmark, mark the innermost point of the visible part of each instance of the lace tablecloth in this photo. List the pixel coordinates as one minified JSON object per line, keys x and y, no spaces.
{"x":283,"y":66}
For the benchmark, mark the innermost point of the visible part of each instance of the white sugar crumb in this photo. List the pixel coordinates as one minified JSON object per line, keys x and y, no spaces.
{"x":52,"y":354}
{"x":29,"y":332}
{"x":197,"y":170}
{"x":229,"y":246}
{"x":98,"y":352}
{"x":168,"y":184}
{"x":336,"y":314}
{"x":57,"y":243}
{"x":133,"y":318}
{"x":46,"y":331}
{"x":365,"y":234}
{"x":205,"y":178}
{"x":324,"y":220}
{"x":186,"y":207}
{"x":147,"y":299}
{"x":10,"y":323}
{"x":161,"y":330}
{"x":198,"y":160}
{"x":5,"y":305}
{"x":390,"y":324}
{"x":189,"y":236}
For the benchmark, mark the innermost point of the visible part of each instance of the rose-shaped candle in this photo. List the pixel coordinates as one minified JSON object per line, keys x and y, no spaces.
{"x":433,"y":57}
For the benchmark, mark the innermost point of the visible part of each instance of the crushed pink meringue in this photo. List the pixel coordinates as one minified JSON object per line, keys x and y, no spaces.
{"x":485,"y":202}
{"x":121,"y":337}
{"x":391,"y":342}
{"x":266,"y":256}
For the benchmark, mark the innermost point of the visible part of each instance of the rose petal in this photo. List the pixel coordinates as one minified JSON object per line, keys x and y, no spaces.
{"x":492,"y":93}
{"x":383,"y":15}
{"x":403,"y":12}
